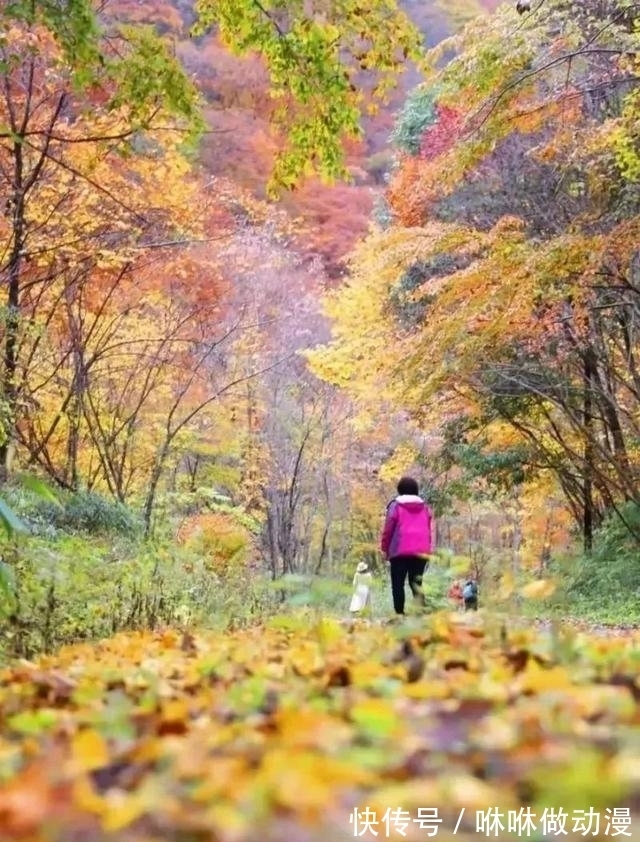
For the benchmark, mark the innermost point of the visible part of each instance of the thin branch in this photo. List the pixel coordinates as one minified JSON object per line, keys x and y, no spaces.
{"x":63,"y":165}
{"x":515,"y":83}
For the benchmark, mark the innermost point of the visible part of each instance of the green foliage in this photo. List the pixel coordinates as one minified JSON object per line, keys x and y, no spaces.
{"x":330,"y":595}
{"x":480,"y":470}
{"x":14,"y":525}
{"x":90,"y":512}
{"x":418,"y":113}
{"x":602,"y":587}
{"x":501,"y":469}
{"x":435,"y":585}
{"x":8,"y":519}
{"x":39,"y":489}
{"x":68,"y":588}
{"x":38,"y":492}
{"x":412,"y":309}
{"x":73,"y":23}
{"x":382,"y":213}
{"x":314,"y":64}
{"x":323,"y":594}
{"x":142,"y":73}
{"x":612,"y":572}
{"x":625,"y":138}
{"x":443,"y":498}
{"x":80,"y":512}
{"x":151,"y":75}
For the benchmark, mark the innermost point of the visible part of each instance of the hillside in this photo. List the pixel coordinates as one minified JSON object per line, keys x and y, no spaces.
{"x":241,"y":144}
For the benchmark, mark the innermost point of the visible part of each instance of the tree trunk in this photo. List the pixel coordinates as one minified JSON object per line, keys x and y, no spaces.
{"x":154,"y":479}
{"x":13,"y":316}
{"x":587,"y":484}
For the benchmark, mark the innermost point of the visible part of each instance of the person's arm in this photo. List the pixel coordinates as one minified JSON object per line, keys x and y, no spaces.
{"x":390,"y":521}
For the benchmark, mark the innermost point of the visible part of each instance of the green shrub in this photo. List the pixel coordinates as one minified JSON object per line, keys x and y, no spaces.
{"x":612,"y":571}
{"x":605,"y":585}
{"x":90,"y":512}
{"x":325,"y":594}
{"x":417,"y":114}
{"x":382,"y":213}
{"x":69,"y":588}
{"x":83,"y":511}
{"x":435,"y":585}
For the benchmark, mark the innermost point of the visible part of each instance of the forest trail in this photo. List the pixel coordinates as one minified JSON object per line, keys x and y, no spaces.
{"x":593,"y":628}
{"x":283,"y":731}
{"x":573,"y":625}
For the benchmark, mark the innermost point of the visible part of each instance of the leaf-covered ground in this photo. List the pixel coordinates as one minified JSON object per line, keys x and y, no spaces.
{"x":282,"y":732}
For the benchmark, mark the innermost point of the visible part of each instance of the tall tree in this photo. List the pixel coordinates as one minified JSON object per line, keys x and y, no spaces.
{"x":72,"y":104}
{"x":506,"y":277}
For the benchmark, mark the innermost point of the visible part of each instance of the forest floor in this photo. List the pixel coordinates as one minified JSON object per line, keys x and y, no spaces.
{"x":593,"y":628}
{"x":454,"y":726}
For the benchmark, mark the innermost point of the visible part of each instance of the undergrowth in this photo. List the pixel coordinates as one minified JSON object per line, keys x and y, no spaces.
{"x":84,"y":572}
{"x":604,"y":585}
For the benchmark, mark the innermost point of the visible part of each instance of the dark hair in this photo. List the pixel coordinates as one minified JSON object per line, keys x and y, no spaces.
{"x":407,"y":485}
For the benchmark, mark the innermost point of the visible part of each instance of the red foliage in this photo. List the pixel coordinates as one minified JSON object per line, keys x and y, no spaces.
{"x":332,"y":219}
{"x":441,"y":136}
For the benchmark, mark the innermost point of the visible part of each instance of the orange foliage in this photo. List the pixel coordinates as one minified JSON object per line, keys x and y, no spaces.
{"x":332,"y":219}
{"x":406,"y":201}
{"x":221,"y":540}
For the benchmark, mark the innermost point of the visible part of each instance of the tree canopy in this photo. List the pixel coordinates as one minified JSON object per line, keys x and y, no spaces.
{"x":506,"y":280}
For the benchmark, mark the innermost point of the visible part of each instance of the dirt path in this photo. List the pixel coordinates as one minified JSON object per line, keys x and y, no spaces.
{"x":598,"y":629}
{"x":542,"y":624}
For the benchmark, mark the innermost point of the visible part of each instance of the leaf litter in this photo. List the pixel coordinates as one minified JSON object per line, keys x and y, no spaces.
{"x":283,"y":731}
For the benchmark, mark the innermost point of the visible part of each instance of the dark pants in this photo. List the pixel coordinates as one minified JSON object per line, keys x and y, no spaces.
{"x":471,"y":604}
{"x":404,"y":566}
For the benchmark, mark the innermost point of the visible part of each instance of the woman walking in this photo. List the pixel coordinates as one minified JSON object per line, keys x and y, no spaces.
{"x":408,"y":538}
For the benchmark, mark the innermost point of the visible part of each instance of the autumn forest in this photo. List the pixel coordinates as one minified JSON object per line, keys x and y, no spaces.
{"x":259,"y":260}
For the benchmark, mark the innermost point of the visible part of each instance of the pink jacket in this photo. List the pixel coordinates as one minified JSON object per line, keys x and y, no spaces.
{"x":407,"y":528}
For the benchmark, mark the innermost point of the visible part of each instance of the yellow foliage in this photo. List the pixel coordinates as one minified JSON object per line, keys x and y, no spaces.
{"x":540,"y":589}
{"x":400,"y":462}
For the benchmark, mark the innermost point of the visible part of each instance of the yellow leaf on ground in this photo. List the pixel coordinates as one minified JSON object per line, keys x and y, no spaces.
{"x":86,"y":798}
{"x":535,"y":679}
{"x":89,"y":751}
{"x":312,"y":729}
{"x":473,"y":794}
{"x":121,"y":808}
